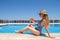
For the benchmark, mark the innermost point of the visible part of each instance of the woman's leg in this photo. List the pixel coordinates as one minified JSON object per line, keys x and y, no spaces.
{"x":24,"y":29}
{"x":32,"y":29}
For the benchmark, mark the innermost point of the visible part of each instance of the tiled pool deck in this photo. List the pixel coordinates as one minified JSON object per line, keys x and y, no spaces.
{"x":18,"y":36}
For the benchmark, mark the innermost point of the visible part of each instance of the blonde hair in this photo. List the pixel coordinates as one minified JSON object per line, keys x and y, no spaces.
{"x":46,"y":18}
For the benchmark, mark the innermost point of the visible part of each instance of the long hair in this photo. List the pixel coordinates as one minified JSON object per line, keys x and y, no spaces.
{"x":45,"y":16}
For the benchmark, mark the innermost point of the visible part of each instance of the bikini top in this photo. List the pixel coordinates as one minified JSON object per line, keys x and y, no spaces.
{"x":39,"y":23}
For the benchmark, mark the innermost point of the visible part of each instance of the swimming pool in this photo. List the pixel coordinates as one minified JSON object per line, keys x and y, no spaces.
{"x":11,"y":28}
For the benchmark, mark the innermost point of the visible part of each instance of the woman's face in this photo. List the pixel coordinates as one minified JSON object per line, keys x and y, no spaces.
{"x":41,"y":15}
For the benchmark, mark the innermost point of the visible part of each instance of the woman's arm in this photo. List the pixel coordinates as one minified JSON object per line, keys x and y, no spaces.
{"x":33,"y":21}
{"x":45,"y":24}
{"x":47,"y":31}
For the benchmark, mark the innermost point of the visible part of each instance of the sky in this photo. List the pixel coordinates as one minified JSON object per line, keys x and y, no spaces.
{"x":25,"y":9}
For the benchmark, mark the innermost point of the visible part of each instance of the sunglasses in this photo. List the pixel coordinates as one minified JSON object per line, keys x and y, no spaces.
{"x":40,"y":14}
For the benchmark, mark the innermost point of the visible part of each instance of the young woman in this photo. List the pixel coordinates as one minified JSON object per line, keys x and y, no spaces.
{"x":43,"y":23}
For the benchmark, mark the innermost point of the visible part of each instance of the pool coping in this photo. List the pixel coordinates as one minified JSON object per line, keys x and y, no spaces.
{"x":23,"y":23}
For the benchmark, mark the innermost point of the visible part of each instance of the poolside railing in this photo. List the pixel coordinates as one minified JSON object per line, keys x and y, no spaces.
{"x":26,"y":21}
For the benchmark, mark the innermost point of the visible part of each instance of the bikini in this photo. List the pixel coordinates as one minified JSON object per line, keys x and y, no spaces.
{"x":39,"y":27}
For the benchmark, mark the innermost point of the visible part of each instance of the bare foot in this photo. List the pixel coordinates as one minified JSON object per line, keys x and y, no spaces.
{"x":19,"y":31}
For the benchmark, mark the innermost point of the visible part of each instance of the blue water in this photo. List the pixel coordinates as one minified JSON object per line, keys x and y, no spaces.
{"x":53,"y":28}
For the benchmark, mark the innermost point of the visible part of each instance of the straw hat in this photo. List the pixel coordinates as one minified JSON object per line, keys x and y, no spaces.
{"x":43,"y":11}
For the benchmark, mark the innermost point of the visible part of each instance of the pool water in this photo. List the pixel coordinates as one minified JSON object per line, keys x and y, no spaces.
{"x":11,"y":28}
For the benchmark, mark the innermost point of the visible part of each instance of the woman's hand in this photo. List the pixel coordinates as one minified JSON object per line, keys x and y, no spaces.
{"x":52,"y":37}
{"x":30,"y":25}
{"x":49,"y":33}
